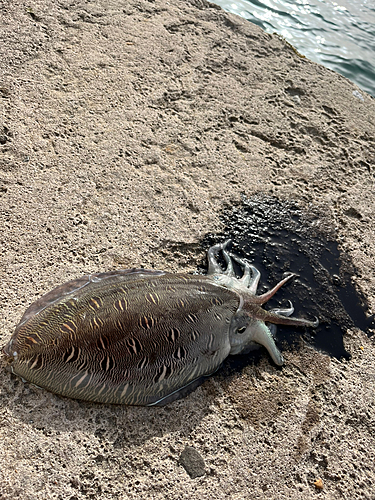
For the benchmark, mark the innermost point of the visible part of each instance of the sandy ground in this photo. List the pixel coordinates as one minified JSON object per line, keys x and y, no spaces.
{"x":125,"y":129}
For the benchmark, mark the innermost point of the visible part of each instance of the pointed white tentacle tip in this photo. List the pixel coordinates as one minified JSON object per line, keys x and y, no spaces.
{"x":219,"y":246}
{"x":315,"y":323}
{"x":225,"y":244}
{"x":276,"y":357}
{"x":289,"y":276}
{"x":311,"y":324}
{"x":284,"y":311}
{"x":279,"y":361}
{"x":291,"y":308}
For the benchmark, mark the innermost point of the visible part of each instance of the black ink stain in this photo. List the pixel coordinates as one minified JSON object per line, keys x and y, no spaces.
{"x":278,"y":237}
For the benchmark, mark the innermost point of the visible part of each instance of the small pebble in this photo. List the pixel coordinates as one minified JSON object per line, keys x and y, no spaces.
{"x":192,"y":462}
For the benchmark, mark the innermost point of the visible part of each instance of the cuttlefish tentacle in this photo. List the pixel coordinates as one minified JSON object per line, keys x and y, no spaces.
{"x":262,"y":299}
{"x":250,"y":279}
{"x":213,"y":265}
{"x":251,"y":275}
{"x":277,"y":318}
{"x":229,"y":271}
{"x":262,"y":335}
{"x":284,"y":312}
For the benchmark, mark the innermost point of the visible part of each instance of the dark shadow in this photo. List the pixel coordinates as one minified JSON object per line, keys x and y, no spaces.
{"x":116,"y":426}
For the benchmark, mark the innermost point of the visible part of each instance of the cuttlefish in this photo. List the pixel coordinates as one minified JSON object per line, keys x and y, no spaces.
{"x":144,"y":337}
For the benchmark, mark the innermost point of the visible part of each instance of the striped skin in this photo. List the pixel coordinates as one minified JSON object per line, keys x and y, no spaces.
{"x":143,"y":337}
{"x":125,"y":337}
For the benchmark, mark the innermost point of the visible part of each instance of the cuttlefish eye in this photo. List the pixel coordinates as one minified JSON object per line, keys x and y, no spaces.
{"x":241,"y":330}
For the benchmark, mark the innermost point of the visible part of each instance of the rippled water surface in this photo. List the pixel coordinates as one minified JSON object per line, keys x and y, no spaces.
{"x":339,"y":35}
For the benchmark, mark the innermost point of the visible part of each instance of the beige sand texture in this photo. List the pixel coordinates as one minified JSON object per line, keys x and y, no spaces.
{"x":126,"y":127}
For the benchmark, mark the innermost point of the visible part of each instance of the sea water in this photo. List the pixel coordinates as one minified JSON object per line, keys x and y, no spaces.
{"x":339,"y":35}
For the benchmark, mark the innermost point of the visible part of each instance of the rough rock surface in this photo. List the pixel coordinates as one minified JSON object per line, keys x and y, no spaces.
{"x":125,"y":128}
